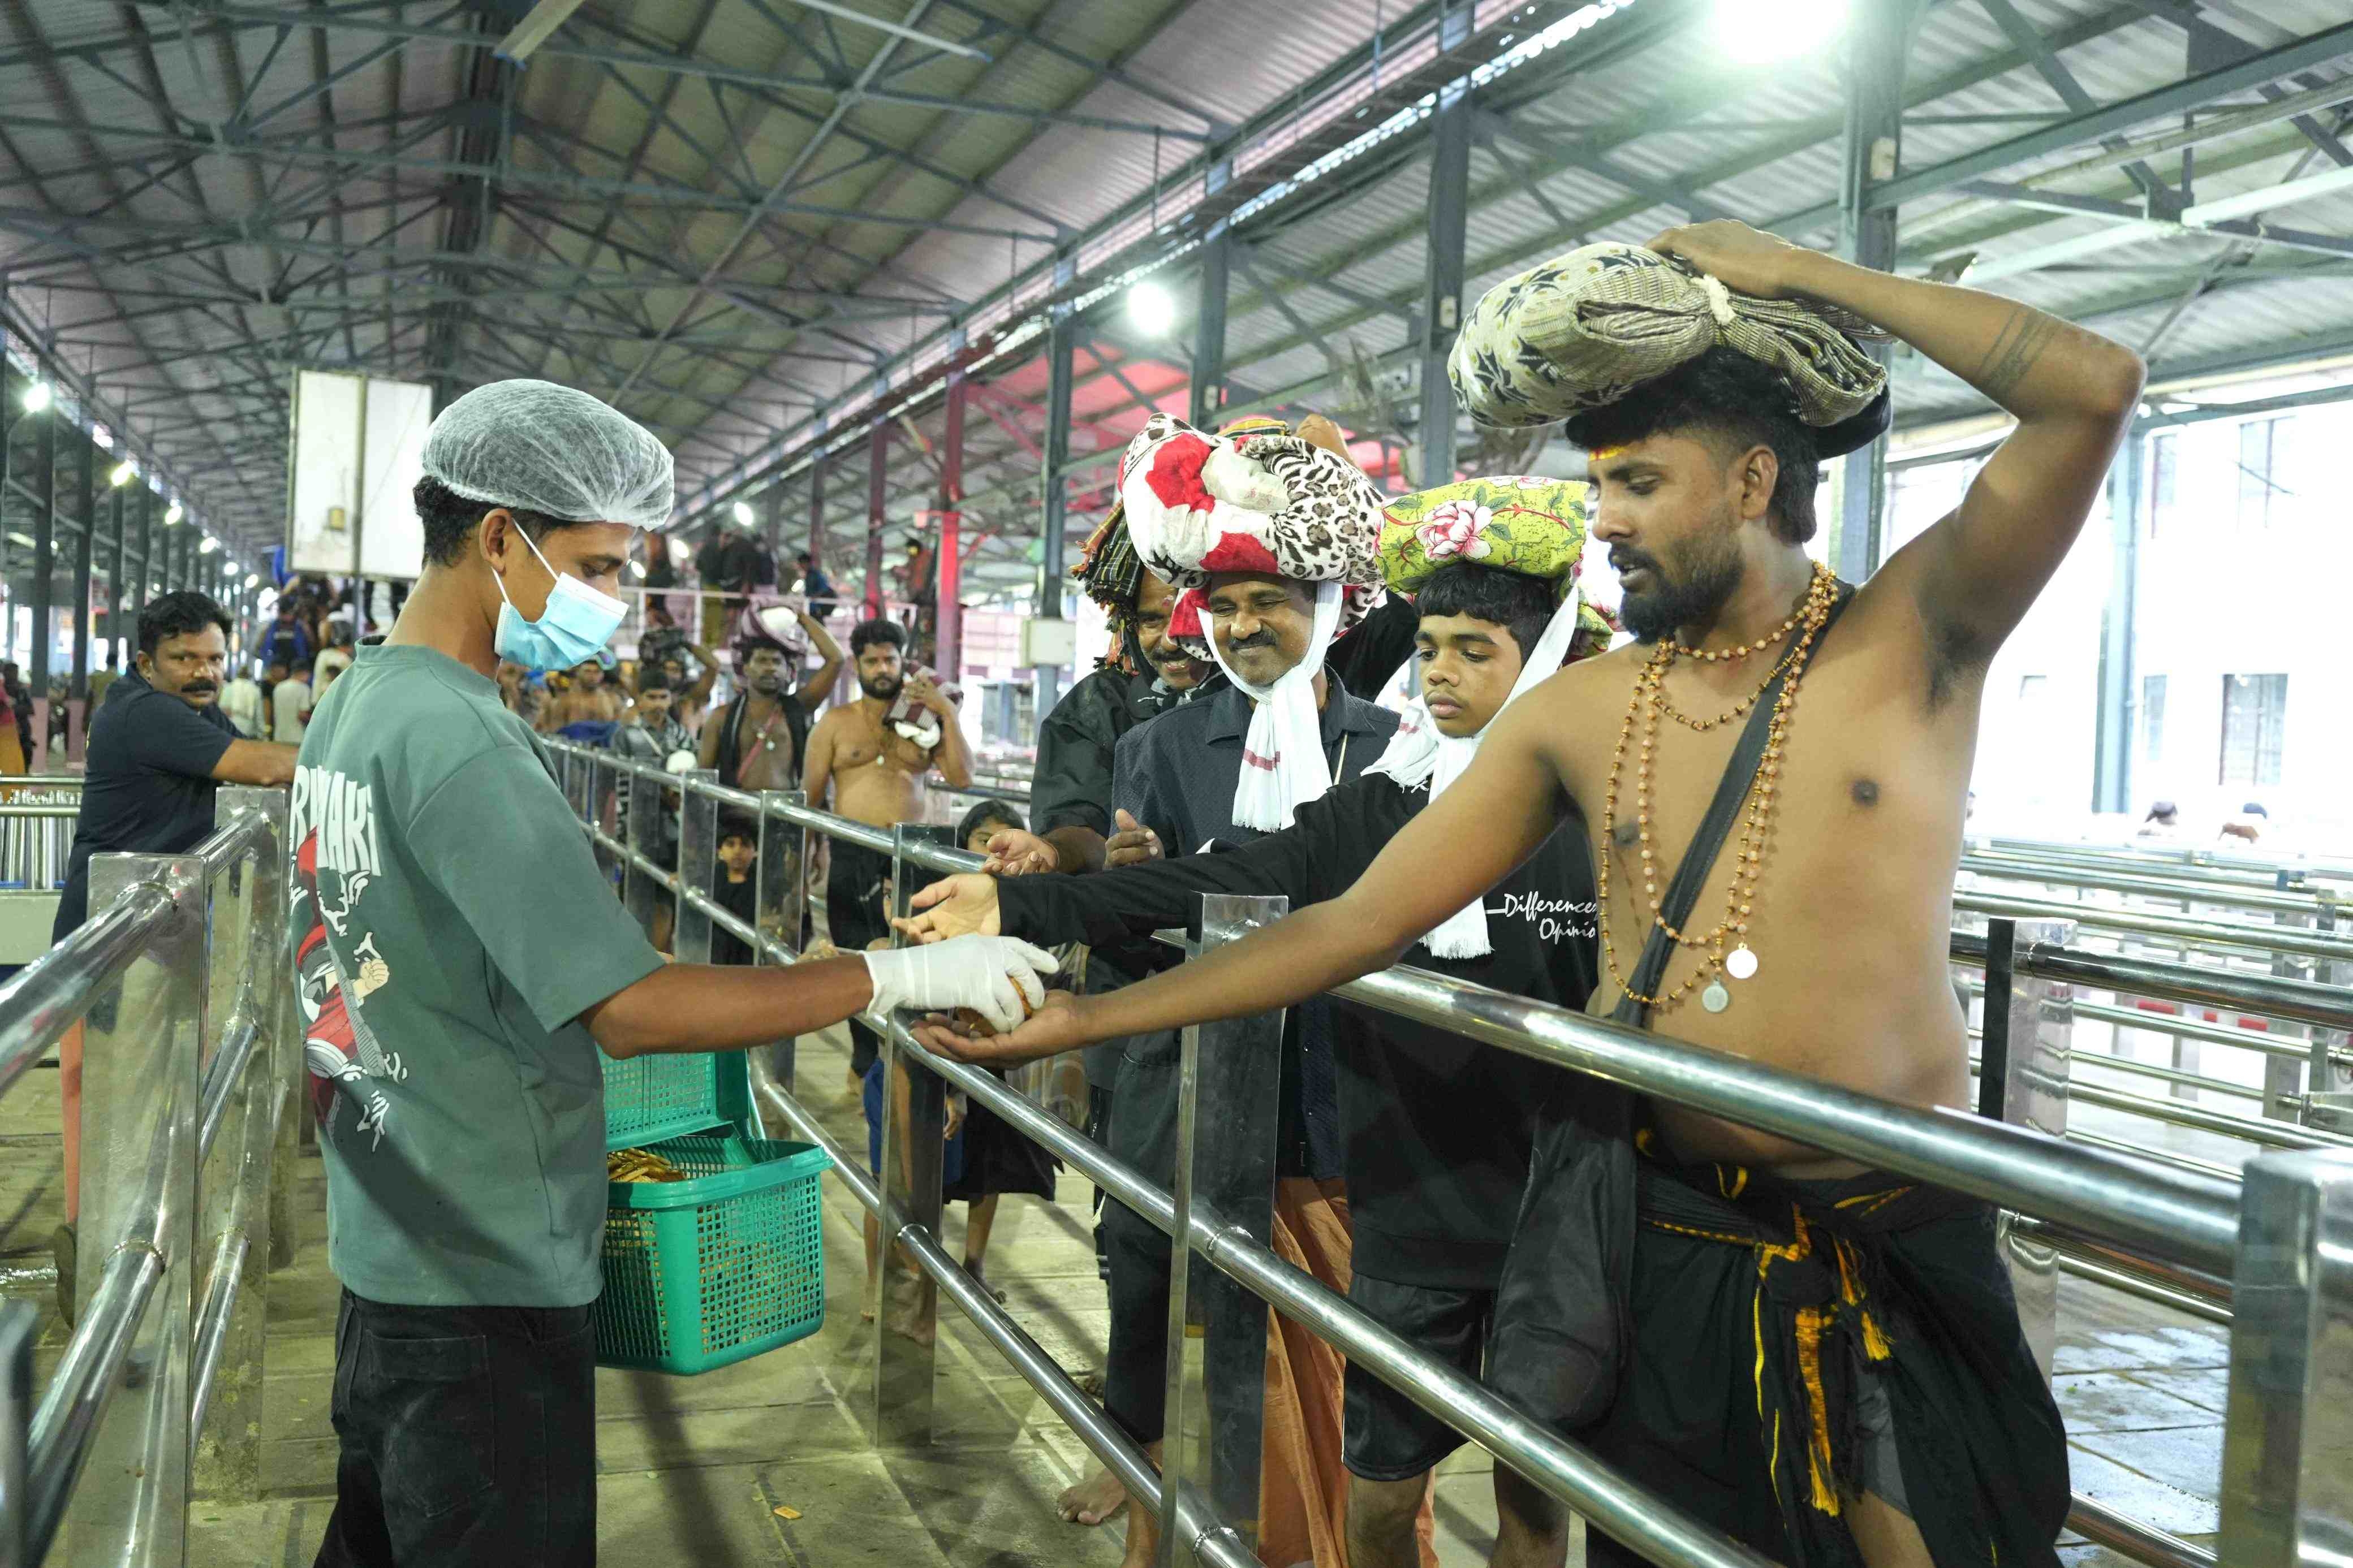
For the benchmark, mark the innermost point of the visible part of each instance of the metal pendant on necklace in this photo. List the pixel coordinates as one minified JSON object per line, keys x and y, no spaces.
{"x":1740,"y":962}
{"x":1717,"y":997}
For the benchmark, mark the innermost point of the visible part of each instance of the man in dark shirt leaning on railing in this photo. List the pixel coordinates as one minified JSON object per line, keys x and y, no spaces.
{"x":159,"y":748}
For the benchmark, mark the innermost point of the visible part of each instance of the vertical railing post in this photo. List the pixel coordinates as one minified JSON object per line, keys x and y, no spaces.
{"x":641,"y":829}
{"x":781,"y":900}
{"x":20,"y":1321}
{"x":2287,"y":1447}
{"x":2022,"y":1078}
{"x":914,"y":1128}
{"x":237,"y":1230}
{"x":139,"y":1085}
{"x":2328,"y":1092}
{"x":1228,"y":1093}
{"x":698,"y":851}
{"x":2283,"y":1082}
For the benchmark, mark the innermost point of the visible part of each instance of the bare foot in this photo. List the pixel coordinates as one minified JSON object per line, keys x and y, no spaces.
{"x":1098,"y":1498}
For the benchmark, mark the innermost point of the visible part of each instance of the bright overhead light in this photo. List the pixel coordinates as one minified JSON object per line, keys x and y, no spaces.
{"x":252,"y":580}
{"x":172,"y":513}
{"x":636,"y":568}
{"x":1760,"y":32}
{"x":743,"y":513}
{"x":1151,"y":309}
{"x":36,"y":397}
{"x":209,"y":546}
{"x":124,"y":472}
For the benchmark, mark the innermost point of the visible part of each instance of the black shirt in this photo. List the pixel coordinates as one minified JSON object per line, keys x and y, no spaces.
{"x":1438,"y":1128}
{"x":149,"y":785}
{"x":741,"y":900}
{"x":1071,"y":788}
{"x":1369,"y":656}
{"x":1072,"y":781}
{"x":1177,"y":776}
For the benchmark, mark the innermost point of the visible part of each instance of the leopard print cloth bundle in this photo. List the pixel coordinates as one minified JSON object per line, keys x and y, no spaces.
{"x":1581,"y":332}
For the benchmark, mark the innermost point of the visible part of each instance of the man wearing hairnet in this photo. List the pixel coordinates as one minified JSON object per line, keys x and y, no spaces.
{"x":460,"y":958}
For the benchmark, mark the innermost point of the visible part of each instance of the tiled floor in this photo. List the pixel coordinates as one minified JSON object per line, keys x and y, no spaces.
{"x":695,"y":1470}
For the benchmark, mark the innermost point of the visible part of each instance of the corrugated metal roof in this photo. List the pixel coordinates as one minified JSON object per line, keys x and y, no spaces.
{"x":625,"y":185}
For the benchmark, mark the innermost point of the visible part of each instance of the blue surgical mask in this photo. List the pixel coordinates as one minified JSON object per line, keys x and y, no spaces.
{"x":571,"y":629}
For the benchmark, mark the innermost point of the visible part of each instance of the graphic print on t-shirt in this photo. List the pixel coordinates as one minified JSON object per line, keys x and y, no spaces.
{"x":335,"y":857}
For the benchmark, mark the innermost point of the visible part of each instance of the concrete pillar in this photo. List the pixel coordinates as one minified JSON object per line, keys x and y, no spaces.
{"x":1208,"y":391}
{"x":948,"y":633}
{"x":878,"y":460}
{"x":1881,"y":43}
{"x":817,"y":520}
{"x":43,"y":598}
{"x":1441,"y":296}
{"x":1054,"y":496}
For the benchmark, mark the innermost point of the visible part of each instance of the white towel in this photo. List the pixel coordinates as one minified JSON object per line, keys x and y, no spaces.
{"x":1283,"y":765}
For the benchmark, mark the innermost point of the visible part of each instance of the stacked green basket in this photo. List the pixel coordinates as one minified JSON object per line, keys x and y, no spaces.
{"x":708,"y":1272}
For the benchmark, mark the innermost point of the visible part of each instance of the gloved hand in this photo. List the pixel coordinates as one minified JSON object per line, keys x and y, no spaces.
{"x":996,"y":977}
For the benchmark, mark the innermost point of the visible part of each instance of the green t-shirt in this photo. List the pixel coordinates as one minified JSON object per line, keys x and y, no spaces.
{"x":450,"y":925}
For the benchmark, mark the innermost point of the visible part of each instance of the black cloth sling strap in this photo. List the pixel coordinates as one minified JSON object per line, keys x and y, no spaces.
{"x":1731,"y":793}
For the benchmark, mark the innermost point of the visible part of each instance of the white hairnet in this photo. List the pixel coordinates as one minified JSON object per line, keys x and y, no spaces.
{"x":551,"y":449}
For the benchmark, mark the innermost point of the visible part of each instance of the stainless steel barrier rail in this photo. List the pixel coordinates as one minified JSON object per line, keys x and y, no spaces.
{"x":2176,"y":859}
{"x":35,"y":838}
{"x":2300,"y":1001}
{"x":180,"y":984}
{"x":1204,"y":1538}
{"x":2180,"y":928}
{"x":2121,"y":1217}
{"x":2020,"y":868}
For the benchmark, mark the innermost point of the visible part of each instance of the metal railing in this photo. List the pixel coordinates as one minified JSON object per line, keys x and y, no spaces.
{"x":37,"y":832}
{"x":180,"y":987}
{"x":2169,"y":1231}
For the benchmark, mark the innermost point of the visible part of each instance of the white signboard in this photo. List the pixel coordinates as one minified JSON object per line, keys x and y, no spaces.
{"x":358,"y":452}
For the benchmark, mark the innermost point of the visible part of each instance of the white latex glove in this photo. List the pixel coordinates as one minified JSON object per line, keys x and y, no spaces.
{"x":996,"y":977}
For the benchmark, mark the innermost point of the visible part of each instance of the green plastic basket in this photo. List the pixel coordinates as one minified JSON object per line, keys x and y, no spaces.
{"x":668,"y":1095}
{"x":709,"y":1271}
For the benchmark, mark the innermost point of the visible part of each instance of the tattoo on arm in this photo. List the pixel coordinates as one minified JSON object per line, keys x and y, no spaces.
{"x":2015,"y":352}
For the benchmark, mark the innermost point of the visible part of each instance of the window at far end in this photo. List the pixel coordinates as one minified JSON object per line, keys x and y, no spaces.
{"x":2254,"y":728}
{"x":2164,"y":480}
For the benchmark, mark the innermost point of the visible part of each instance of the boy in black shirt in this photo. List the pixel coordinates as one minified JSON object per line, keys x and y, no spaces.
{"x":736,"y":885}
{"x":1438,"y":1131}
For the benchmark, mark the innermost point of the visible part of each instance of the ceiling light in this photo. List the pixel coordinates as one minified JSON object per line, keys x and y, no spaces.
{"x":636,"y":568}
{"x":172,"y":513}
{"x":209,"y":546}
{"x":1759,"y":31}
{"x":36,"y":397}
{"x":743,"y":513}
{"x":124,"y":472}
{"x":1151,"y":309}
{"x":252,"y":581}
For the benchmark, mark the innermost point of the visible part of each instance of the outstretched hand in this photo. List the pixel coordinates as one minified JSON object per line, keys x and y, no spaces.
{"x":961,"y":905}
{"x":1736,"y":255}
{"x":1058,"y":1027}
{"x":1016,"y":853}
{"x":1133,"y":844}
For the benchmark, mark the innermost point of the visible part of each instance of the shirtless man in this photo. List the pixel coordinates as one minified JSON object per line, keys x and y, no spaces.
{"x":1828,"y":958}
{"x":876,"y":776}
{"x":758,"y":740}
{"x":591,"y":698}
